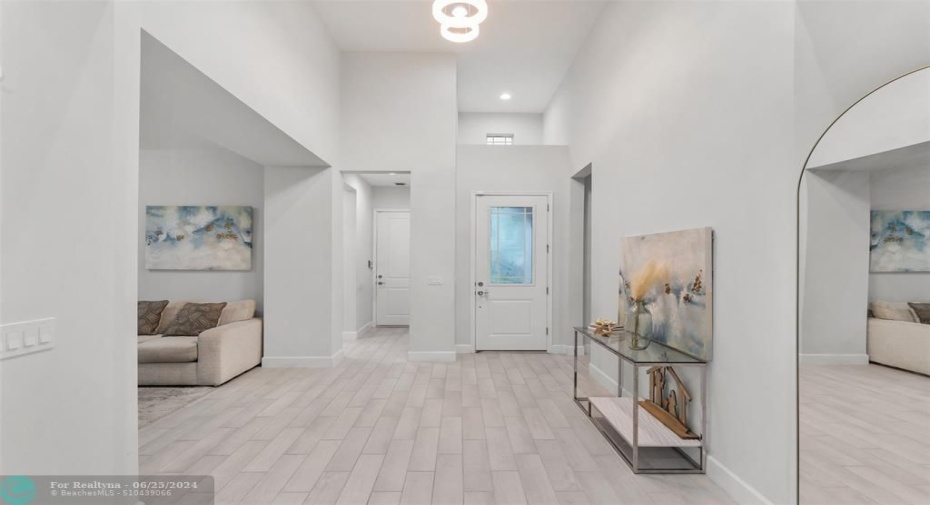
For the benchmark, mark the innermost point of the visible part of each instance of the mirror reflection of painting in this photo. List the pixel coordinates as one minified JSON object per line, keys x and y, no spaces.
{"x":198,"y":238}
{"x":668,"y":276}
{"x":900,"y":241}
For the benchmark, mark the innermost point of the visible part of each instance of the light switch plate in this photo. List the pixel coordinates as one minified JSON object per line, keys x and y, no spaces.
{"x":434,"y":280}
{"x":18,"y":339}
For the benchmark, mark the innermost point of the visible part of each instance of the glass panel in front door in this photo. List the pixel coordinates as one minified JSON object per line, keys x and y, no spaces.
{"x":511,"y":247}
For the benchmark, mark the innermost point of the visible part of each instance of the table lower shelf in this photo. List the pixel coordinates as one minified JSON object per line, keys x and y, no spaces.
{"x":652,"y":433}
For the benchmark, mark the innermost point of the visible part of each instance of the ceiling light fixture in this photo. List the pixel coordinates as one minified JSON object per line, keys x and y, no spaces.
{"x":459,"y":19}
{"x":506,"y":96}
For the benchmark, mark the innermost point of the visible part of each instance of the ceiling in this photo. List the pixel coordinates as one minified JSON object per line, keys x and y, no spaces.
{"x":913,"y":156}
{"x":384,"y":179}
{"x":525,"y":48}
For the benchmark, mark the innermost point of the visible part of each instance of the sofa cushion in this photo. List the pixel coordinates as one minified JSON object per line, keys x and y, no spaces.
{"x":242,"y":310}
{"x":922,"y":310}
{"x":168,"y":315}
{"x":893,"y":311}
{"x":146,"y":338}
{"x":194,"y":319}
{"x":149,"y":315}
{"x":168,"y":350}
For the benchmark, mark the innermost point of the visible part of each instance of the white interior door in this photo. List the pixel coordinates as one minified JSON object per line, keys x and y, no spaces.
{"x":392,"y":268}
{"x":512,"y":273}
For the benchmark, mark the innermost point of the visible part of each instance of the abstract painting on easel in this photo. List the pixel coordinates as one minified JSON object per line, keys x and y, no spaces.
{"x":673,"y":276}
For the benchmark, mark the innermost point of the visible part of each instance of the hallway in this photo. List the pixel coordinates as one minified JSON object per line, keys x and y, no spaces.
{"x":489,"y":428}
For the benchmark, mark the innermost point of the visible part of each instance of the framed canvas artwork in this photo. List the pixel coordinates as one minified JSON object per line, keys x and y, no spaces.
{"x":900,"y":241}
{"x":671,"y":276}
{"x":198,"y":238}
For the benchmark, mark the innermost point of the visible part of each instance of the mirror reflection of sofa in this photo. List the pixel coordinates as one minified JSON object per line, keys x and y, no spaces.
{"x":897,"y":337}
{"x":226,"y":341}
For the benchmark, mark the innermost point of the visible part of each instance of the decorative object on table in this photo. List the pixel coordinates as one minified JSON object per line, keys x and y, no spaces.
{"x":900,"y":241}
{"x":669,"y":402}
{"x":604,"y":327}
{"x":198,"y":238}
{"x":669,"y":276}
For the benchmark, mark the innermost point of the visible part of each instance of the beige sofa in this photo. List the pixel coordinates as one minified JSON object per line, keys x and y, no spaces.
{"x":209,"y":359}
{"x":901,"y":342}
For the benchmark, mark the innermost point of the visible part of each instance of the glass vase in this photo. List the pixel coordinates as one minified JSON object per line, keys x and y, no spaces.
{"x":641,"y":326}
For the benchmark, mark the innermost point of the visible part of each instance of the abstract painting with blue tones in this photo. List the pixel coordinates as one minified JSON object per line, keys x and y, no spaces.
{"x":900,"y":241}
{"x":198,"y":238}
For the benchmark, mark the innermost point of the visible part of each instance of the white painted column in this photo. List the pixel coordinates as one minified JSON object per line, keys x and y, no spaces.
{"x":302,"y":283}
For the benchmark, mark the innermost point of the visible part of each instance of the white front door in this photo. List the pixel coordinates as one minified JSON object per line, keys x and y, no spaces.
{"x":512,"y":273}
{"x":392,"y":268}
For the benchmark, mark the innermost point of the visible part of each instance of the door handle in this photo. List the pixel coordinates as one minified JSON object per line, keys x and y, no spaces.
{"x":482,"y":293}
{"x":380,"y":283}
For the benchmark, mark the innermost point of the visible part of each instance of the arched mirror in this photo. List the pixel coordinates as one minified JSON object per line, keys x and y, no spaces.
{"x":864,"y":303}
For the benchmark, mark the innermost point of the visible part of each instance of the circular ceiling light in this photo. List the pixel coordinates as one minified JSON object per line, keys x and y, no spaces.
{"x":460,"y":35}
{"x":459,"y":19}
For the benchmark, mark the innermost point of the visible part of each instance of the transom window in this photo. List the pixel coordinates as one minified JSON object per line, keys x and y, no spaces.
{"x":500,"y":139}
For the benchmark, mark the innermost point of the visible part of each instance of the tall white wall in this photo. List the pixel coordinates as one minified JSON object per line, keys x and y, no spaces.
{"x":399,"y":113}
{"x":69,"y":199}
{"x":689,"y":108}
{"x":667,"y":101}
{"x":900,"y":189}
{"x":474,"y":127}
{"x":201,"y":177}
{"x":387,"y":197}
{"x":835,"y":277}
{"x":277,"y":57}
{"x":511,"y":169}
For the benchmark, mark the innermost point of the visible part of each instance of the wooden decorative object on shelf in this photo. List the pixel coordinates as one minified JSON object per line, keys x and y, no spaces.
{"x":670,"y":408}
{"x":604,"y":327}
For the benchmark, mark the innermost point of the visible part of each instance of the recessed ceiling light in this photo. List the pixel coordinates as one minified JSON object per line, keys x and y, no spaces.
{"x":506,"y":96}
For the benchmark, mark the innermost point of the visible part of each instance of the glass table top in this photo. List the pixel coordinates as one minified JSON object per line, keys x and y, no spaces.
{"x":655,"y":353}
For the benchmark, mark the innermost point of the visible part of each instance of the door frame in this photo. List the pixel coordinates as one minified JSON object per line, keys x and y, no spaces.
{"x":473,"y":267}
{"x":374,"y":264}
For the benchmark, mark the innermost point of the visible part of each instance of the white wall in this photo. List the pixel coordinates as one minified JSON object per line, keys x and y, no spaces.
{"x":835,"y":279}
{"x":763,"y":81}
{"x":667,"y":100}
{"x":364,"y":236}
{"x":474,"y":127}
{"x":201,"y":177}
{"x":518,"y":169}
{"x":900,"y":189}
{"x":399,"y":113}
{"x":277,"y":57}
{"x":386,"y":197}
{"x":69,"y":200}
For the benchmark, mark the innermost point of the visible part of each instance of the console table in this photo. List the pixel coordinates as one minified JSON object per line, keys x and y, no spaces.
{"x":647,"y":445}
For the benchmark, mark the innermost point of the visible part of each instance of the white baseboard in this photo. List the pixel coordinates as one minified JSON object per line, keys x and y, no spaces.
{"x":464,"y":349}
{"x":436,"y":357}
{"x":736,"y":487}
{"x":834,"y":359}
{"x":302,"y":361}
{"x":565,"y":349}
{"x":364,"y":329}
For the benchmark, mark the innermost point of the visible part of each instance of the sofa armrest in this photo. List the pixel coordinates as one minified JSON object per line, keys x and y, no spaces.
{"x":226,"y":351}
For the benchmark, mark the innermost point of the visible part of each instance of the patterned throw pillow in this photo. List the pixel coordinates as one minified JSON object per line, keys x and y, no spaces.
{"x":194,"y":319}
{"x":149,"y":314}
{"x":922,"y":310}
